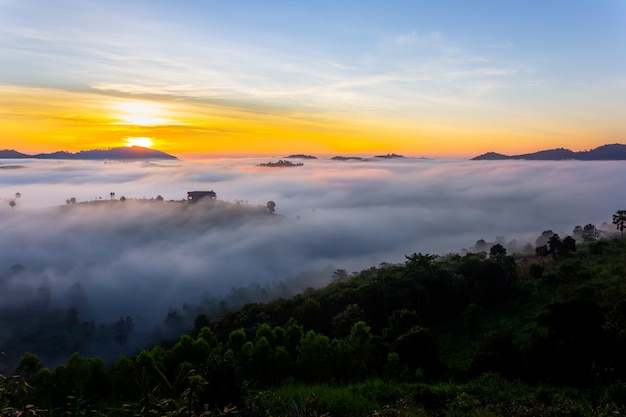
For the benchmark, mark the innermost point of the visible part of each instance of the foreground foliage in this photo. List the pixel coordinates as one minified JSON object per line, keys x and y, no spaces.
{"x":473,"y":334}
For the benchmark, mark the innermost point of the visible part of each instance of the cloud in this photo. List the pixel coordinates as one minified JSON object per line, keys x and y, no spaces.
{"x":141,"y":257}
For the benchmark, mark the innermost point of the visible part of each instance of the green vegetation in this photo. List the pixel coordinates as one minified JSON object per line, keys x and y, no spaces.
{"x":479,"y":334}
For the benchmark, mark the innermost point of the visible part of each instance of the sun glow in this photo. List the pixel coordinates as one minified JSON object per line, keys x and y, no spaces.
{"x":143,"y":141}
{"x":141,"y":113}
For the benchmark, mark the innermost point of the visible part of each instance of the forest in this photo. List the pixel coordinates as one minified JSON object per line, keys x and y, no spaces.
{"x":482,"y":333}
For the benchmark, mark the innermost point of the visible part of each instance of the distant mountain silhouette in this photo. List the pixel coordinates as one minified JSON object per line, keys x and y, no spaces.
{"x":126,"y":153}
{"x":11,"y":154}
{"x":389,"y":156}
{"x":301,"y":156}
{"x":614,"y":152}
{"x":346,"y":158}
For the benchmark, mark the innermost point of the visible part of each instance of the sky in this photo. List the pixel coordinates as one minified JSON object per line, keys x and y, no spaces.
{"x":239,"y":78}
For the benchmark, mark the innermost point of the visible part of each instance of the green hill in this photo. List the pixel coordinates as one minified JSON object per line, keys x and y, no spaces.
{"x":481,"y":334}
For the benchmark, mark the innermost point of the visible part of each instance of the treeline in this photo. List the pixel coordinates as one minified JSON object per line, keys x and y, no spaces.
{"x":528,"y":321}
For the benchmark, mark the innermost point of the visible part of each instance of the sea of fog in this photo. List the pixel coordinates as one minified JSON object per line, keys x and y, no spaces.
{"x":330,"y":215}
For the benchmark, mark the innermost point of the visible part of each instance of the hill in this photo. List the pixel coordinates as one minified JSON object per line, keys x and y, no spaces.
{"x":301,"y":156}
{"x":12,"y":154}
{"x":614,"y":152}
{"x":522,"y":335}
{"x":121,"y":153}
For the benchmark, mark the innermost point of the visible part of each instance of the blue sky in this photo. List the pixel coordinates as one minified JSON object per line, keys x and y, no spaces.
{"x":467,"y":74}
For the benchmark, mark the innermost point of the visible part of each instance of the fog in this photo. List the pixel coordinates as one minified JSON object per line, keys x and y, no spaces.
{"x":141,"y":257}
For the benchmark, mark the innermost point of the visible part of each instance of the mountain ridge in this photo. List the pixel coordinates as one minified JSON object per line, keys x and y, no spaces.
{"x":610,"y":152}
{"x":120,"y":153}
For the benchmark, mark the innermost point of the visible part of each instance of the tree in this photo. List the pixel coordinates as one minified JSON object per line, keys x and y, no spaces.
{"x":578,"y":232}
{"x":315,"y":354}
{"x":568,"y":245}
{"x":544,"y":237}
{"x":112,"y":196}
{"x":542,"y":251}
{"x":497,"y":250}
{"x":417,"y":350}
{"x":590,"y":233}
{"x":343,"y":322}
{"x":619,"y":220}
{"x":123,"y":328}
{"x":29,"y":365}
{"x":271,"y":207}
{"x":174,"y":323}
{"x":481,"y":246}
{"x":12,"y":205}
{"x":573,"y":348}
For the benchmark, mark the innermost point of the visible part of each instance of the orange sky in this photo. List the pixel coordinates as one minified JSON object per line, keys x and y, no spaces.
{"x":437,"y":79}
{"x":44,"y":120}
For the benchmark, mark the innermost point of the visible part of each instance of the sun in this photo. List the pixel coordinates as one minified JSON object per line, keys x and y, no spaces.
{"x":143,"y":141}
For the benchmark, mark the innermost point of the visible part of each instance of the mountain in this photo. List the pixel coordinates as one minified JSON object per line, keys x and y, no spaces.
{"x":122,"y":153}
{"x":389,"y":156}
{"x":301,"y":156}
{"x":346,"y":158}
{"x":11,"y":154}
{"x":614,"y":152}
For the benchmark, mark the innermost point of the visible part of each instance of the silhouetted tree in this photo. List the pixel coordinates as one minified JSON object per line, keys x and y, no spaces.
{"x":542,"y":251}
{"x":481,"y":246}
{"x":568,"y":245}
{"x":544,"y":237}
{"x":578,"y":232}
{"x":619,"y":220}
{"x":271,"y":207}
{"x":123,"y":328}
{"x":561,"y":248}
{"x":497,"y":250}
{"x":590,"y":233}
{"x":173,"y":323}
{"x":29,"y":365}
{"x":340,"y":275}
{"x":554,"y":244}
